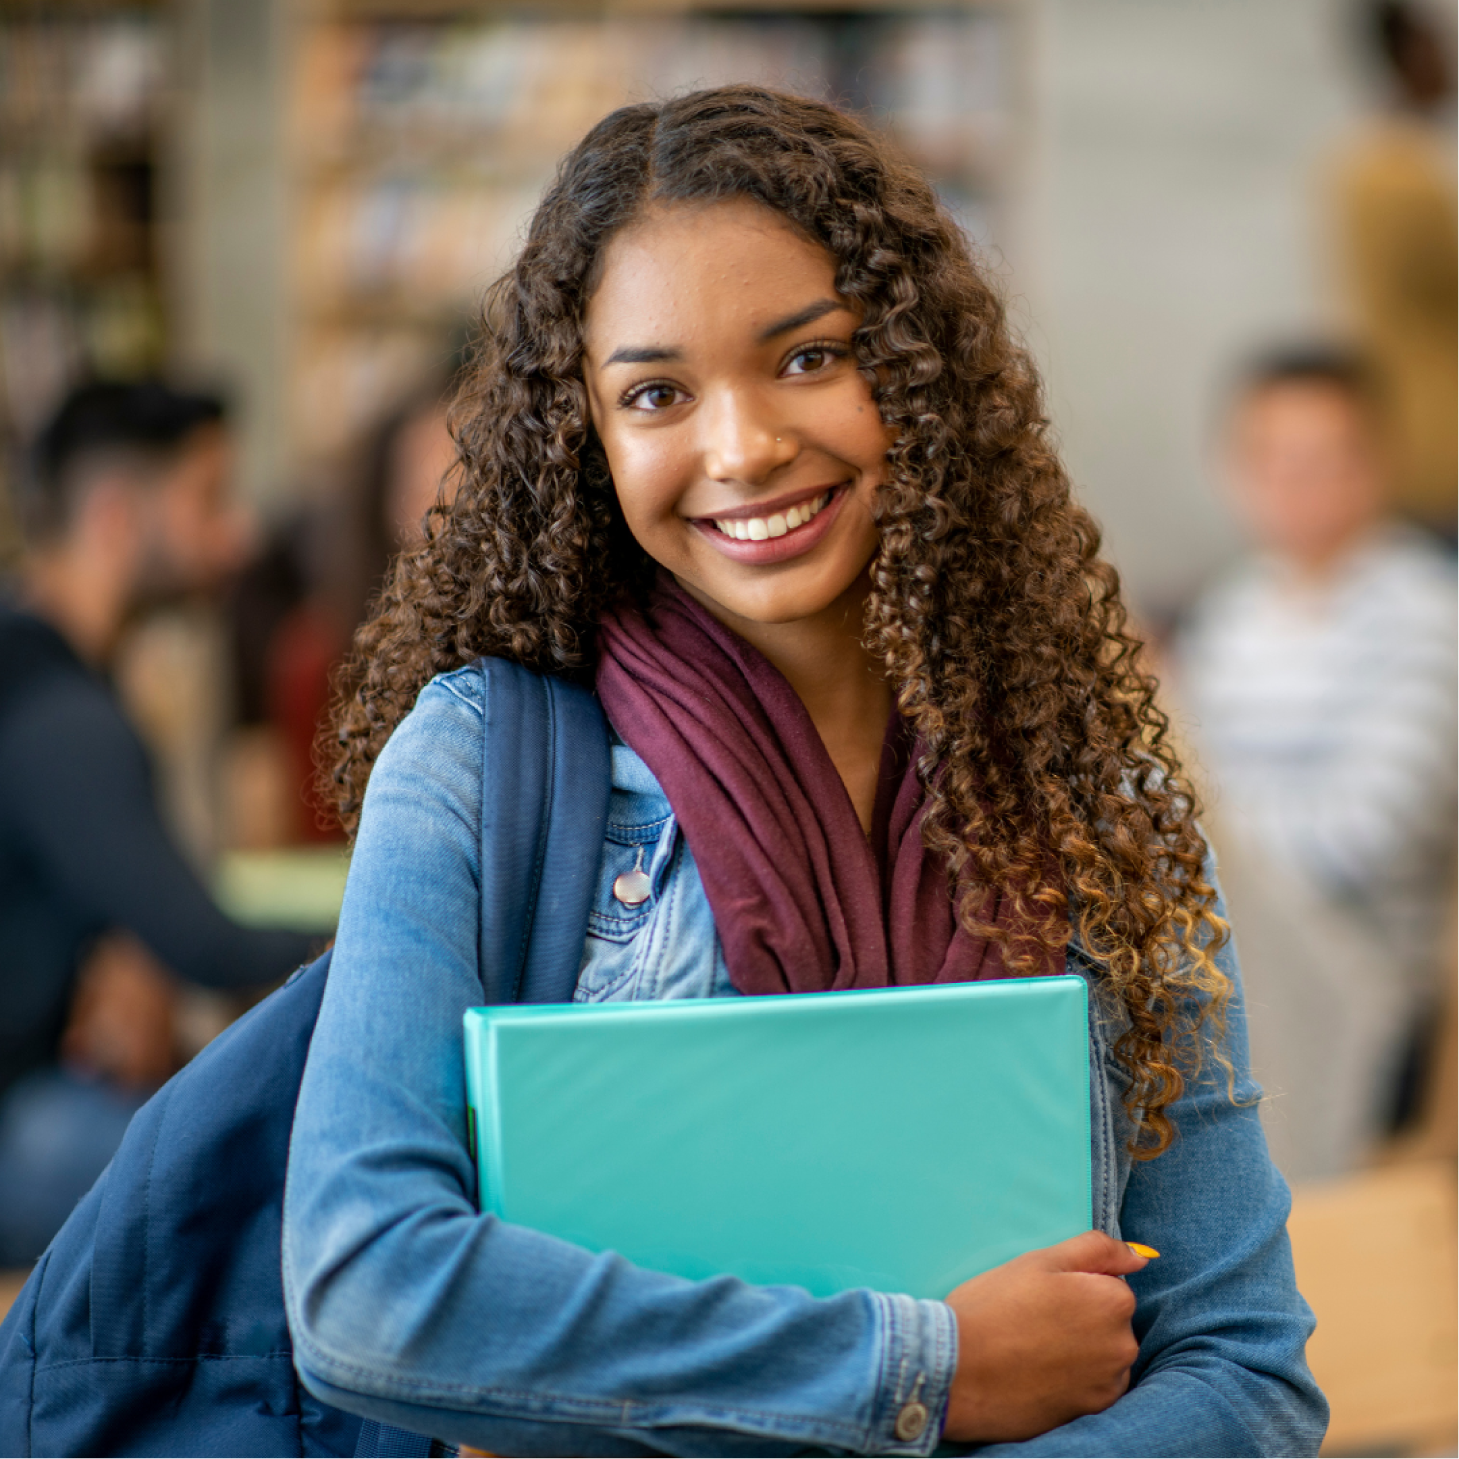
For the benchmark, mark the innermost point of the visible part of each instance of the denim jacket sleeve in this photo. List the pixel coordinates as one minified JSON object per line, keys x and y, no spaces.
{"x":408,"y":1306}
{"x":1222,"y":1328}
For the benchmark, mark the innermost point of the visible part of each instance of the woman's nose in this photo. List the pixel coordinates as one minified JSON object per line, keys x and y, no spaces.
{"x":744,"y":443}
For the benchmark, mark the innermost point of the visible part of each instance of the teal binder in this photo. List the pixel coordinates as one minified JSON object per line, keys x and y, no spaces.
{"x":900,"y":1139}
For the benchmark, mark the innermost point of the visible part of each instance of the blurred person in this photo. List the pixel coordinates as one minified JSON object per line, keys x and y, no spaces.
{"x":1393,"y":210}
{"x":126,"y":506}
{"x":1320,"y":674}
{"x":409,"y":458}
{"x":342,"y":556}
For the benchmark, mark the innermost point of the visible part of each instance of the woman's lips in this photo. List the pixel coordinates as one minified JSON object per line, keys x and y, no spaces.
{"x":792,"y":543}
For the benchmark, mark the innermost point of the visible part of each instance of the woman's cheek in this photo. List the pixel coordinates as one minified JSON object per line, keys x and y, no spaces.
{"x":649,"y":483}
{"x":853,"y":429}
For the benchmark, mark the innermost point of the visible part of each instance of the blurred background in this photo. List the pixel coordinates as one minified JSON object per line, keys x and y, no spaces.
{"x":1226,"y":229}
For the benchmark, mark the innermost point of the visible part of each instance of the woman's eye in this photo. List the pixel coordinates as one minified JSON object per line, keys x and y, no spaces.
{"x":653,"y":397}
{"x":811,"y":359}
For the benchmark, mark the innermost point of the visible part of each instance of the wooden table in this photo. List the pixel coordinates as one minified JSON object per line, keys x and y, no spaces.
{"x":11,"y":1282}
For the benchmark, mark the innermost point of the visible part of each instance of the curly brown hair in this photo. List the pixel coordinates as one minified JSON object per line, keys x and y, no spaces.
{"x":1044,"y":754}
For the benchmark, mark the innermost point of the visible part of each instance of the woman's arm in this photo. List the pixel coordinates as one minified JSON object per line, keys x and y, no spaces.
{"x":408,"y":1306}
{"x":1222,"y":1328}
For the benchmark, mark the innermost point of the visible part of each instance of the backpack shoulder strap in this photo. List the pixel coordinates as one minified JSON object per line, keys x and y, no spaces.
{"x":545,"y":780}
{"x":545,"y":776}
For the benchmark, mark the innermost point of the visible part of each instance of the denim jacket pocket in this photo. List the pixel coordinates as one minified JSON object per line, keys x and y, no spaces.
{"x":616,"y":948}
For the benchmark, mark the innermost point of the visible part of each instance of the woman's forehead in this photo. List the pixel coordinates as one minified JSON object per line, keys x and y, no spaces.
{"x":695,"y":267}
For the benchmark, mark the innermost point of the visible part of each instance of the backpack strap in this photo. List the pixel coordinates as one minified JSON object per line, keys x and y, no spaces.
{"x":545,"y":780}
{"x":382,"y":1441}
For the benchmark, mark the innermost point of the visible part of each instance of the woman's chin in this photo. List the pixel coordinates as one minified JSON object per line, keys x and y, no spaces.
{"x":796,"y":591}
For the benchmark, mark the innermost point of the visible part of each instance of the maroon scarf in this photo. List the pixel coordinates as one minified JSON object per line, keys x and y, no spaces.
{"x":802,"y":899}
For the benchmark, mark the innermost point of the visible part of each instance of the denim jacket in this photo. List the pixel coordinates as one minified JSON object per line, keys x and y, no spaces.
{"x":408,"y":1306}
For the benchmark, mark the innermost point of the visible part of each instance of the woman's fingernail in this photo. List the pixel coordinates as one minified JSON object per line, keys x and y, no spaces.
{"x":1142,"y":1250}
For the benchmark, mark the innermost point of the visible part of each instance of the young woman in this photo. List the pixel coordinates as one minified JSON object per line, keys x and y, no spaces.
{"x":748,"y":444}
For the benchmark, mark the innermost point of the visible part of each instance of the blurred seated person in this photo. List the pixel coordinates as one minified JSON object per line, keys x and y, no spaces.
{"x":1321,"y":678}
{"x":126,"y":505}
{"x":403,"y":473}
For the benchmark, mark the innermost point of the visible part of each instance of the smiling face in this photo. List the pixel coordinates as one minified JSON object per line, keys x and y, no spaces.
{"x":743,"y":441}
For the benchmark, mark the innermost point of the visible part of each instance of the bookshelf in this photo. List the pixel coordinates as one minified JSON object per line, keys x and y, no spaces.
{"x":421,"y":134}
{"x":86,"y":96}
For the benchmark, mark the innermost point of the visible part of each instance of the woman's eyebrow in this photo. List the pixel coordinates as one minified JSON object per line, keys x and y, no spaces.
{"x":632,"y":354}
{"x":808,"y":315}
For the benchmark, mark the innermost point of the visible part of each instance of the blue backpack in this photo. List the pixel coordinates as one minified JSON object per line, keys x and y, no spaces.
{"x":154,"y":1322}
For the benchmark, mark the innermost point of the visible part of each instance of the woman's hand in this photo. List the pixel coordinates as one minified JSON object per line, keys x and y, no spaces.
{"x":1042,"y":1339}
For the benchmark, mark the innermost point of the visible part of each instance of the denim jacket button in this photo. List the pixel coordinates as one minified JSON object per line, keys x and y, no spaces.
{"x":633,"y":887}
{"x":911,"y":1421}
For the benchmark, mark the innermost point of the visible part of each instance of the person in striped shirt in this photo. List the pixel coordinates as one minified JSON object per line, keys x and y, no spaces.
{"x":1320,"y":675}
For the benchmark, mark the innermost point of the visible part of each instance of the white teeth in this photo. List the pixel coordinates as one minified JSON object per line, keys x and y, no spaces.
{"x":759,"y":529}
